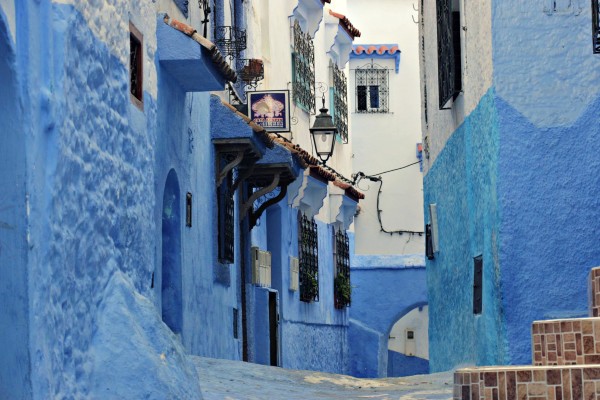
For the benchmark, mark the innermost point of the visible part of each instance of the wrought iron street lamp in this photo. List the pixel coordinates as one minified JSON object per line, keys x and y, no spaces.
{"x":323,"y":133}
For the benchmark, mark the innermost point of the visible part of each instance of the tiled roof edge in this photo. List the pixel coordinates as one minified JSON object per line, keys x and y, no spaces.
{"x":346,"y":24}
{"x":215,"y":55}
{"x":260,"y":132}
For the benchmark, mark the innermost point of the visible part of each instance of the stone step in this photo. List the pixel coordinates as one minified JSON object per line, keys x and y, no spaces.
{"x":573,"y":341}
{"x":566,"y":382}
{"x":594,"y":292}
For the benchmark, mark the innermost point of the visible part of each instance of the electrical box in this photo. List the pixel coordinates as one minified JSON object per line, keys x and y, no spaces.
{"x":410,"y":343}
{"x":294,"y":273}
{"x":261,"y":267}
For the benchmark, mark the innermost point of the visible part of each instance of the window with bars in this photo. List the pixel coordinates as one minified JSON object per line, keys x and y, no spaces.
{"x":372,"y":90}
{"x":477,"y":284}
{"x":226,"y":221}
{"x":449,"y":55}
{"x":342,"y":289}
{"x":596,"y":25}
{"x":303,"y":64}
{"x":340,"y":101}
{"x":136,"y":72}
{"x":308,"y":255}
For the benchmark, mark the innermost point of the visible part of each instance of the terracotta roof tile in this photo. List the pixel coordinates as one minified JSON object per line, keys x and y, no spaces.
{"x":346,"y":24}
{"x":381,"y":49}
{"x":308,"y":161}
{"x":259,"y":130}
{"x":215,"y":55}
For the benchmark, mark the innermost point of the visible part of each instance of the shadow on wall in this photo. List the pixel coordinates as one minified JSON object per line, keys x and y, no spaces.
{"x":172,"y":301}
{"x":380,"y":297}
{"x":14,"y":331}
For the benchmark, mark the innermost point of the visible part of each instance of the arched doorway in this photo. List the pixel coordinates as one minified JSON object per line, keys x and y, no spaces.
{"x":14,"y":301}
{"x":171,"y":295}
{"x":408,"y":344}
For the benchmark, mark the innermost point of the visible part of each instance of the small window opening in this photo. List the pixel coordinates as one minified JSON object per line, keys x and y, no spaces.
{"x":235,"y":323}
{"x":136,"y":72}
{"x":188,"y":210}
{"x":410,"y":335}
{"x":478,"y":285}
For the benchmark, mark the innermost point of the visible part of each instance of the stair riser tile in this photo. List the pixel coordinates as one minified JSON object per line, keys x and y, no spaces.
{"x":567,"y":342}
{"x":552,"y":383}
{"x":594,"y":293}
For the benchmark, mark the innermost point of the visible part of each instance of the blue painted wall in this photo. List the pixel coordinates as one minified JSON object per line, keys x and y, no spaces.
{"x":517,"y":182}
{"x":209,"y":288}
{"x":402,"y":365}
{"x":313,"y":335}
{"x":548,"y":102}
{"x":95,"y":167}
{"x":382,"y":293}
{"x":14,"y":315}
{"x":463,"y":184}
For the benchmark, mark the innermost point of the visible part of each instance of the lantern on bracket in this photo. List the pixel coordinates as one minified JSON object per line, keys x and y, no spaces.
{"x":323,"y":134}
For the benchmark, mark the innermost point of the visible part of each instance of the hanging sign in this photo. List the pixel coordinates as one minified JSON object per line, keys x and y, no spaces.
{"x":270,"y":109}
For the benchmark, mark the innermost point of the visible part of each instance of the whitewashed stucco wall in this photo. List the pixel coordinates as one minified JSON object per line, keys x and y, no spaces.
{"x":476,"y":49}
{"x":270,"y":27}
{"x":386,"y":141}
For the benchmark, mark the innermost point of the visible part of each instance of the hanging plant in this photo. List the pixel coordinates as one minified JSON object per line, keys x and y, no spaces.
{"x":343,"y":291}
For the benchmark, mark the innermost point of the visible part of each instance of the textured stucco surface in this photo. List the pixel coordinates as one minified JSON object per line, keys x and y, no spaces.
{"x":551,"y":85}
{"x":477,"y":70}
{"x":463,"y":184}
{"x":313,"y":335}
{"x":14,"y":298}
{"x":380,"y":297}
{"x":550,"y":220}
{"x":403,"y":365}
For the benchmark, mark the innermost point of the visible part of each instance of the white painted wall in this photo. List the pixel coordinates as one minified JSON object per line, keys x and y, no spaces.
{"x":418,"y":321}
{"x":8,"y":8}
{"x":387,"y":141}
{"x":270,"y":32}
{"x":476,"y":49}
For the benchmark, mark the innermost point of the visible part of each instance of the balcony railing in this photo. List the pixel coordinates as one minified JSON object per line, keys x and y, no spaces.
{"x":230,"y":40}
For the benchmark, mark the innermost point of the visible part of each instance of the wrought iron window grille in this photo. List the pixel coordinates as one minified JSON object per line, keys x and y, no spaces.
{"x":596,"y":25}
{"x":372,"y":90}
{"x":204,"y":5}
{"x":136,"y":71}
{"x":303,"y":64}
{"x":226,"y":218}
{"x":230,"y":40}
{"x":308,"y":255}
{"x":449,"y":54}
{"x":342,"y":288}
{"x":340,"y":101}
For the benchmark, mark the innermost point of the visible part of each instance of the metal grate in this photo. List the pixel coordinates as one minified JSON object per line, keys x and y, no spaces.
{"x":341,"y":285}
{"x":230,"y":40}
{"x":596,"y":25}
{"x":340,"y":101}
{"x":449,"y":58}
{"x":303,"y":60}
{"x":372,"y":90}
{"x":308,"y":254}
{"x":226,"y":218}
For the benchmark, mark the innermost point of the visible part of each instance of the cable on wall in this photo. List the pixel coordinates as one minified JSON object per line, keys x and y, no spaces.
{"x":377,"y":178}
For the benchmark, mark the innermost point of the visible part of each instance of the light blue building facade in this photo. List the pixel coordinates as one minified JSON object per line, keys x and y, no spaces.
{"x":112,"y":152}
{"x":510,"y":174}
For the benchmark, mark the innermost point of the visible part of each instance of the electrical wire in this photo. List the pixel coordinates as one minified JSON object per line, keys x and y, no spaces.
{"x":377,"y":178}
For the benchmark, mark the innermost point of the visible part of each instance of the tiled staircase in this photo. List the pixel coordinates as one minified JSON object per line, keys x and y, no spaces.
{"x":566,"y":357}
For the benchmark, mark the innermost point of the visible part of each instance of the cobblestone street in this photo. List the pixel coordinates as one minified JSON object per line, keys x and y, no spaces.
{"x":233,"y":380}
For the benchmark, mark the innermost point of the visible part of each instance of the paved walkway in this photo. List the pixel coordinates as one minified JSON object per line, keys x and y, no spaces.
{"x":234,"y":380}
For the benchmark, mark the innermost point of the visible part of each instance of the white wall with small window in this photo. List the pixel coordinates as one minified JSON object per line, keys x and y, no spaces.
{"x":409,"y":335}
{"x":384,"y":102}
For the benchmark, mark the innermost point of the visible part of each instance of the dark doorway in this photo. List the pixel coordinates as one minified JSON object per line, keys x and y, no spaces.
{"x":273,"y":329}
{"x":171,"y":255}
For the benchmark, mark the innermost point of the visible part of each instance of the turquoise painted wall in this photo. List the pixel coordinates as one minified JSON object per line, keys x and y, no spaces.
{"x":463,"y":184}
